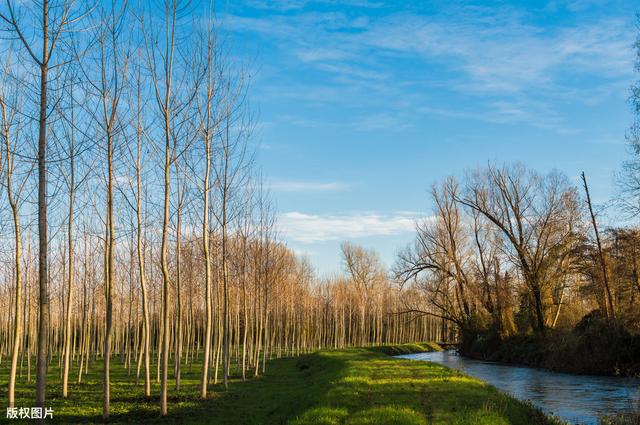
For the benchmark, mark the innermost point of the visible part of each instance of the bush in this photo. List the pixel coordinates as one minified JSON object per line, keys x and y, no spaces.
{"x":593,"y":346}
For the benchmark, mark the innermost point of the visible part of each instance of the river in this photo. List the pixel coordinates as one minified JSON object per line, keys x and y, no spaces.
{"x":575,"y":398}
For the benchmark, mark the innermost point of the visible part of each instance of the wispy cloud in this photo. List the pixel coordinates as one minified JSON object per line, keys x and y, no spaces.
{"x":497,"y":49}
{"x":319,"y":54}
{"x":508,"y":68}
{"x":497,"y":52}
{"x":385,"y":121}
{"x":367,"y":122}
{"x":307,"y":186}
{"x":575,"y":5}
{"x":515,"y":67}
{"x":507,"y":112}
{"x":286,"y":5}
{"x":309,"y":228}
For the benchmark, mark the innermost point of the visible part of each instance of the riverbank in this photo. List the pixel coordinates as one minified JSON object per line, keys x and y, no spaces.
{"x":592,"y":348}
{"x":352,"y":386}
{"x":583,"y":399}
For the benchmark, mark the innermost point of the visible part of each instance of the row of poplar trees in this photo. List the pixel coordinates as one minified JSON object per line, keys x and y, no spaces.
{"x":134,"y":224}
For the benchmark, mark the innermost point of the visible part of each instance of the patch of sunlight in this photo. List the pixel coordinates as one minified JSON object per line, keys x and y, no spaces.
{"x":356,"y":380}
{"x":482,"y":417}
{"x":321,"y":416}
{"x":387,"y":415}
{"x":369,"y":380}
{"x":458,"y":379}
{"x":385,"y":381}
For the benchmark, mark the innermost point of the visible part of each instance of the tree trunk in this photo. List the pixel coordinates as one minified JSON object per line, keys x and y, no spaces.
{"x":43,"y":239}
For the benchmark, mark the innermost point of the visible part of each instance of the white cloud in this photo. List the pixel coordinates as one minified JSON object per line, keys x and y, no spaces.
{"x":309,"y":228}
{"x":307,"y":186}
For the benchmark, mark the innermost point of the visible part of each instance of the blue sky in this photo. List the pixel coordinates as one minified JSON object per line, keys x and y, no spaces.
{"x":362,"y":104}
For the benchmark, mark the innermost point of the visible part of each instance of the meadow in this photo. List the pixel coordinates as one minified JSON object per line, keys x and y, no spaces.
{"x":351,"y":386}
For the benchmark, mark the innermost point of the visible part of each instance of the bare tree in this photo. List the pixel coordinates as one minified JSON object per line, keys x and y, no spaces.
{"x":10,"y":105}
{"x":365,"y":271}
{"x":533,"y":213}
{"x":166,"y":53}
{"x":610,"y":309}
{"x":442,"y":250}
{"x":55,"y":25}
{"x":104,"y":71}
{"x":206,"y":105}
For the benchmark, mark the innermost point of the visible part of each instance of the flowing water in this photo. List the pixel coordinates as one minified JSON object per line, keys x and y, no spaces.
{"x":578,"y":399}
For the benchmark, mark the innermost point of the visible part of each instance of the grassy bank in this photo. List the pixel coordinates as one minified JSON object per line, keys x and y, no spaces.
{"x":354,"y":386}
{"x":369,"y":387}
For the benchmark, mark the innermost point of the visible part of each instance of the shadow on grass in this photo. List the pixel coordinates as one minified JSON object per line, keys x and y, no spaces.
{"x":353,"y":386}
{"x":290,"y":386}
{"x":376,"y":389}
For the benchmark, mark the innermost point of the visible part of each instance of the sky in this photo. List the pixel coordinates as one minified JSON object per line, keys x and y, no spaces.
{"x":361,"y":105}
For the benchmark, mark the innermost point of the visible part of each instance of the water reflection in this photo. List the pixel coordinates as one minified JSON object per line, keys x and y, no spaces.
{"x":575,"y":398}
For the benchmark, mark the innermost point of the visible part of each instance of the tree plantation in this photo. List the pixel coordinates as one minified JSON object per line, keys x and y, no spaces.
{"x":145,"y":276}
{"x":137,"y":229}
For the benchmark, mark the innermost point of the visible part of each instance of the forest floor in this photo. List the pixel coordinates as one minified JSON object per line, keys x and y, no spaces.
{"x":352,"y":386}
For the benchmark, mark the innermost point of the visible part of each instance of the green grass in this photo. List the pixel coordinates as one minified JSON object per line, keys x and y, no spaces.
{"x":416,"y":347}
{"x":353,"y":386}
